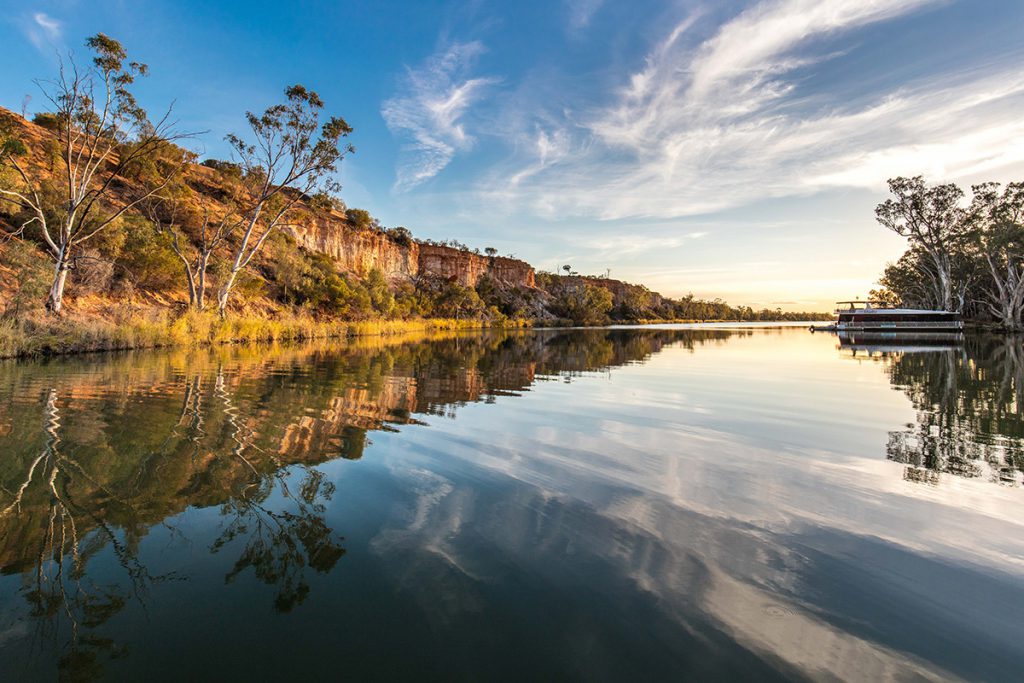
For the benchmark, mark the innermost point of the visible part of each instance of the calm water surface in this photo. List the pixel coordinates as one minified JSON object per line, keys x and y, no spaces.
{"x":624,"y":504}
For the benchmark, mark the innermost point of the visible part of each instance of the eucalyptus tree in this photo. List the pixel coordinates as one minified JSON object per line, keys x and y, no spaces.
{"x":291,"y":156}
{"x":933,"y":221}
{"x":194,"y":238}
{"x":999,"y":219}
{"x":101,"y":134}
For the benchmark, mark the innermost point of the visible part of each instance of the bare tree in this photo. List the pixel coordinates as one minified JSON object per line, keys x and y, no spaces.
{"x":102,"y":132}
{"x":292,"y":157}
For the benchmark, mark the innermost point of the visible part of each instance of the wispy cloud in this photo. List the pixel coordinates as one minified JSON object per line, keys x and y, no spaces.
{"x":43,"y":31}
{"x":581,"y":12}
{"x":709,"y":123}
{"x":429,"y":113}
{"x":621,"y":246}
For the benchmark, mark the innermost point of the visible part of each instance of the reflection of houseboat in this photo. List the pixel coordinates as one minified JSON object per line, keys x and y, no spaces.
{"x":860,"y":344}
{"x":871,"y":317}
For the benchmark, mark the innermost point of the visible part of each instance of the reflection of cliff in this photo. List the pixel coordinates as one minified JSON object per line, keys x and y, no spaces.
{"x":970,"y":411}
{"x":147,"y":434}
{"x":123,"y":442}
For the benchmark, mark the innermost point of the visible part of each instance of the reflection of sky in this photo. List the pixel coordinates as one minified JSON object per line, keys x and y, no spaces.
{"x":722,"y":513}
{"x":763,"y":459}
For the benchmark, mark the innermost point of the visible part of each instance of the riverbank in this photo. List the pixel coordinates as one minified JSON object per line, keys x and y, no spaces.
{"x":82,"y":333}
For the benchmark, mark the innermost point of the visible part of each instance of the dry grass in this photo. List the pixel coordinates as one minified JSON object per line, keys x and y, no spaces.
{"x":44,"y":335}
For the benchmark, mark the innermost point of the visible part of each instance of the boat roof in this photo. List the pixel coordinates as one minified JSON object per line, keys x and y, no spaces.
{"x":895,"y":311}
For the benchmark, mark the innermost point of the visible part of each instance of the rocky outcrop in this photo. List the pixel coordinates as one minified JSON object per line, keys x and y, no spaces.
{"x":360,"y":251}
{"x":357,"y":251}
{"x":466,"y":267}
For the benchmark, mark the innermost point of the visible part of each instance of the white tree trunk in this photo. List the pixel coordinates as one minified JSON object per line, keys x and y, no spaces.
{"x":225,"y":293}
{"x":55,"y":301}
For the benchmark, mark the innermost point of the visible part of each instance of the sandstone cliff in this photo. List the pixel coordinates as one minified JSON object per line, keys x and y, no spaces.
{"x":360,"y":251}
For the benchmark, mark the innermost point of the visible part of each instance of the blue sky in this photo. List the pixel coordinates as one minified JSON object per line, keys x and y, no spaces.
{"x":732,"y":149}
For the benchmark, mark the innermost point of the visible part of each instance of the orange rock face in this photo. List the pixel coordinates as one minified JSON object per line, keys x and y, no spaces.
{"x":360,"y":251}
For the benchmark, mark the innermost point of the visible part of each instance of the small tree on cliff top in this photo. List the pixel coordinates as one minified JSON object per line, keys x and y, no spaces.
{"x":292,"y":156}
{"x":101,"y":135}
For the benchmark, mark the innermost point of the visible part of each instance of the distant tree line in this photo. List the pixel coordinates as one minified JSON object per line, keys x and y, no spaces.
{"x":963,"y":256}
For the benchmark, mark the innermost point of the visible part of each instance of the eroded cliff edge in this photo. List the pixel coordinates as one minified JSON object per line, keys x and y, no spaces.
{"x":360,"y":251}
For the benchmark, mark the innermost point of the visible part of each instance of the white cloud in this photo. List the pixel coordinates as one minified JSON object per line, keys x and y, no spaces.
{"x":429,"y":113}
{"x":716,"y":123}
{"x":43,"y":31}
{"x":581,"y":12}
{"x":621,"y":246}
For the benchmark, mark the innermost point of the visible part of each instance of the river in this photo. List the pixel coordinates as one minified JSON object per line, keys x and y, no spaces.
{"x":661,"y":503}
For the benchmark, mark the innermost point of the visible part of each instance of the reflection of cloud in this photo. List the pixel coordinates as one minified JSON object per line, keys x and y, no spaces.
{"x":727,"y":587}
{"x":429,"y":112}
{"x":734,"y":501}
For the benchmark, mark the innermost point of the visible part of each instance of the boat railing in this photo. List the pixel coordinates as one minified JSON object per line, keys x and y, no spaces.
{"x":901,"y":324}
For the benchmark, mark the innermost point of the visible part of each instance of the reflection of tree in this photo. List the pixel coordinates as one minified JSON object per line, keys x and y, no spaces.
{"x":969,"y":403}
{"x":59,"y":589}
{"x":280,"y":544}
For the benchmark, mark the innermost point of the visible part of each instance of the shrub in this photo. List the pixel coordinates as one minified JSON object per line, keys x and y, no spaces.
{"x":227,"y":169}
{"x":400,"y":236}
{"x":30,"y":277}
{"x":47,"y":120}
{"x":360,"y":219}
{"x":148,"y":256}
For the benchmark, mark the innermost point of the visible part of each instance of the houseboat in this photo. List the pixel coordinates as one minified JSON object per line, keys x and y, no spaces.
{"x":874,"y":317}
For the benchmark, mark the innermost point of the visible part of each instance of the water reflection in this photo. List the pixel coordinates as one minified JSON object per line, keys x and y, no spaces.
{"x":968,"y":393}
{"x":123,"y":443}
{"x":604,"y":525}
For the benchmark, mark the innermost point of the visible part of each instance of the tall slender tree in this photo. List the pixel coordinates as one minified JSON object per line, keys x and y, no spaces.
{"x":101,"y":133}
{"x":291,"y":156}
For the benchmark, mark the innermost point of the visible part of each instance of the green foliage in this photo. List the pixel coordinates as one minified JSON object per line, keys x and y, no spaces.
{"x":249,"y":286}
{"x":30,"y":273}
{"x":360,"y":219}
{"x":147,"y":255}
{"x":381,"y":298}
{"x":325,"y":201}
{"x":312,"y":281}
{"x":584,"y":303}
{"x":10,"y":144}
{"x":47,"y":120}
{"x":401,"y":236}
{"x":228,"y":170}
{"x":969,"y":260}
